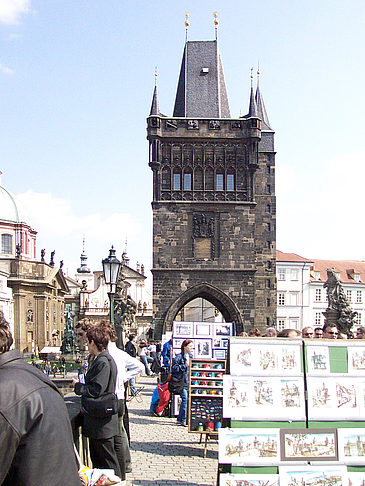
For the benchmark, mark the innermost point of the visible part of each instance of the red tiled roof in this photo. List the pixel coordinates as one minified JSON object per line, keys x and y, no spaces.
{"x":290,"y":257}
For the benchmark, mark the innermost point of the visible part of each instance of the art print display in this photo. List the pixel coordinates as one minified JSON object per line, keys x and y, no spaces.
{"x":202,"y":348}
{"x":223,"y":330}
{"x":313,"y":475}
{"x":249,"y":446}
{"x":249,"y":480}
{"x":308,"y":444}
{"x":356,"y":478}
{"x":219,"y":353}
{"x":183,"y":329}
{"x":356,"y":360}
{"x":334,"y":398}
{"x":248,"y":357}
{"x":351,"y":445}
{"x":275,"y":398}
{"x":318,"y":360}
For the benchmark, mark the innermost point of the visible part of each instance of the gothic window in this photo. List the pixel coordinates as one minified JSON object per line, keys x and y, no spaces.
{"x":198,"y":179}
{"x":177,"y":181}
{"x":166,"y":182}
{"x":209,"y":179}
{"x":6,"y":243}
{"x":230,"y":182}
{"x":219,"y":182}
{"x":187,"y":181}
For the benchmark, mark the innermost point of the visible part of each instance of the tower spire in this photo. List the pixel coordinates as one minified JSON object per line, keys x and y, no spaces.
{"x":261,"y":110}
{"x":216,"y":23}
{"x":155,"y":110}
{"x":187,"y":25}
{"x":252,"y":110}
{"x":83,"y":258}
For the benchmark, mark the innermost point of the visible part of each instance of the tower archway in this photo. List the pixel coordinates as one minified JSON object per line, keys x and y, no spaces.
{"x":208,"y":292}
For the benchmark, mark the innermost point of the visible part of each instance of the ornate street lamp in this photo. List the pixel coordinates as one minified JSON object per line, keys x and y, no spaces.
{"x":111,"y":268}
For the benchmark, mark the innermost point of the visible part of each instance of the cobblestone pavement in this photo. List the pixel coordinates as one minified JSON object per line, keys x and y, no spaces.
{"x":164,"y":454}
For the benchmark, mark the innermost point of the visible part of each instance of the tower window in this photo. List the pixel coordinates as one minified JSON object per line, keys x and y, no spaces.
{"x":187,"y":182}
{"x":6,"y":243}
{"x":230,"y":182}
{"x":219,"y":182}
{"x":177,"y":181}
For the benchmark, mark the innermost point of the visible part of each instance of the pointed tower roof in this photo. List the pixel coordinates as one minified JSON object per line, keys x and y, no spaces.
{"x":201,"y":90}
{"x":261,"y":110}
{"x":252,"y":110}
{"x":155,"y":110}
{"x":83,"y":267}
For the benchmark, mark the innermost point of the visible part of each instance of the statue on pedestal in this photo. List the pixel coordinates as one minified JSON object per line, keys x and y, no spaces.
{"x":69,"y":339}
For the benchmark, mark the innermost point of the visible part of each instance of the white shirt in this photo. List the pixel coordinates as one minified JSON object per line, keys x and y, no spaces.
{"x":127,"y":367}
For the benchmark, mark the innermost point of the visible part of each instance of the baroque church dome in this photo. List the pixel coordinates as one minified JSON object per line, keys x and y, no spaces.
{"x":10,"y":210}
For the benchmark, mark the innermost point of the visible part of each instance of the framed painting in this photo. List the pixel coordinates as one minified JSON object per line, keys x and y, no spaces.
{"x":183,"y":329}
{"x":356,"y":360}
{"x":202,"y":329}
{"x":223,"y":330}
{"x":219,"y":354}
{"x":202,"y":348}
{"x":249,"y":480}
{"x":351,"y":445}
{"x":308,"y":444}
{"x":313,"y":475}
{"x":318,"y":360}
{"x":249,"y":446}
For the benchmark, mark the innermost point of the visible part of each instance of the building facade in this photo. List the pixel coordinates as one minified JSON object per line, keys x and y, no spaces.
{"x":214,"y":213}
{"x":301,"y":295}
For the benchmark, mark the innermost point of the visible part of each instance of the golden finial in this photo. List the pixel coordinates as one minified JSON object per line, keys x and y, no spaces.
{"x":251,"y":76}
{"x":216,"y":23}
{"x":187,"y":24}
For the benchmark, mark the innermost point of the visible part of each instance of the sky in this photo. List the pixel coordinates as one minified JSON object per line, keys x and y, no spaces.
{"x":76,"y":84}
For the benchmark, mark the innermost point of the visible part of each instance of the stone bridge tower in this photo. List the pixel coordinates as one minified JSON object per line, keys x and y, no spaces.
{"x":213,"y":199}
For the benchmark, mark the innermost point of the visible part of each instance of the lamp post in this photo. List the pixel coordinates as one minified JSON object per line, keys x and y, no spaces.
{"x":111,"y":269}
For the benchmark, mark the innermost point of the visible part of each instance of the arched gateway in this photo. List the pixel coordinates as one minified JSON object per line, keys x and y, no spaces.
{"x":213,"y":205}
{"x":219,"y":299}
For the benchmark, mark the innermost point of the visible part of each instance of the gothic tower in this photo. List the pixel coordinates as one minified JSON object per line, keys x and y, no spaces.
{"x":213,"y":199}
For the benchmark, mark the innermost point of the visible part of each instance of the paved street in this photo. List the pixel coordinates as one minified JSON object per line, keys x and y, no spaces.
{"x":164,"y":453}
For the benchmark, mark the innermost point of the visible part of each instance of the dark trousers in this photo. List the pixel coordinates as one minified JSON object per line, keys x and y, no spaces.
{"x":121,"y":443}
{"x":103,"y":455}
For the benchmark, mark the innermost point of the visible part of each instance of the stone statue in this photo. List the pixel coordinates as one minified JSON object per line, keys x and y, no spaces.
{"x":52,"y":258}
{"x":43,"y":253}
{"x":339,"y":311}
{"x":61,"y":264}
{"x":18,"y":250}
{"x":69,"y":339}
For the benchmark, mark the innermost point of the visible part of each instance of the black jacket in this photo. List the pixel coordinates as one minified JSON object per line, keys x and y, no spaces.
{"x":131,"y":349}
{"x":35,"y":432}
{"x":99,"y":379}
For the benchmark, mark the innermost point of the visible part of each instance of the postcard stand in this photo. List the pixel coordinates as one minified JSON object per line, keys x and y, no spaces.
{"x":205,"y":403}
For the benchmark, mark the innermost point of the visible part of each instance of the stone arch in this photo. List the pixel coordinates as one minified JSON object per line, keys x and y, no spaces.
{"x":212,"y":294}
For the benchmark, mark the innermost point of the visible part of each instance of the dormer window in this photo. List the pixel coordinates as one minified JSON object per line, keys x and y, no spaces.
{"x":317,"y":275}
{"x":204,"y":71}
{"x":357,"y":277}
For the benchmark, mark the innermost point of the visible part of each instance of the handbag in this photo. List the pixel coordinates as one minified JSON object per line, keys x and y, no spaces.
{"x":176,"y":385}
{"x":101,"y":407}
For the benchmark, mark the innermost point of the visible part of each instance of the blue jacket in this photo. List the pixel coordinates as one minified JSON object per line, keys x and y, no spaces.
{"x":166,"y":353}
{"x":179,"y":367}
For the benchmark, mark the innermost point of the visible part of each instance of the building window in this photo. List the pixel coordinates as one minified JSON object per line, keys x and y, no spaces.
{"x":267,"y":302}
{"x":281,"y":273}
{"x":219,"y":182}
{"x":294,"y":298}
{"x":268,"y":189}
{"x":317,"y":275}
{"x":281,"y":298}
{"x":177,"y":181}
{"x":230,"y":182}
{"x":268,"y":265}
{"x":318,"y":318}
{"x":268,"y":284}
{"x":268,"y":169}
{"x":166,"y":179}
{"x":358,"y":297}
{"x":318,"y":295}
{"x":357,"y":277}
{"x":6,"y":244}
{"x":358,"y":319}
{"x":268,"y":227}
{"x":268,"y":208}
{"x":281,"y":324}
{"x":294,"y":274}
{"x":187,"y":182}
{"x":349,"y":295}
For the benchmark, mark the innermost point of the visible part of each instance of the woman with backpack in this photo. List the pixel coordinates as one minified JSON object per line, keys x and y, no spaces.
{"x":180,"y":373}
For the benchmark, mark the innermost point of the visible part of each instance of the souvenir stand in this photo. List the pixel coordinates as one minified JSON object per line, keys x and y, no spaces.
{"x":205,"y":393}
{"x":290,"y":411}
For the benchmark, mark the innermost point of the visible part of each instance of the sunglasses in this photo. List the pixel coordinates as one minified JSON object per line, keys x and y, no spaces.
{"x":332,"y":332}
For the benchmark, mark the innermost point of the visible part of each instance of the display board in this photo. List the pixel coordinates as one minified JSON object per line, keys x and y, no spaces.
{"x":205,"y":403}
{"x":210,"y":338}
{"x":290,"y":405}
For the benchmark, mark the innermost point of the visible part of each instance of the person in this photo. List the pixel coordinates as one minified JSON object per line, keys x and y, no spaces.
{"x":289,"y":333}
{"x":330,"y":331}
{"x":254,"y":332}
{"x":271,"y":332}
{"x":360,"y":333}
{"x":32,"y":414}
{"x":166,"y":354}
{"x":308,"y":332}
{"x":180,"y":368}
{"x":143,"y":356}
{"x":318,"y":333}
{"x":130,"y":348}
{"x":127,"y":367}
{"x":99,"y":380}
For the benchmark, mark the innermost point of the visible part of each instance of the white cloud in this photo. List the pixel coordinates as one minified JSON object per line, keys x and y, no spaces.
{"x":5,"y":69}
{"x":60,"y":228}
{"x":11,"y":10}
